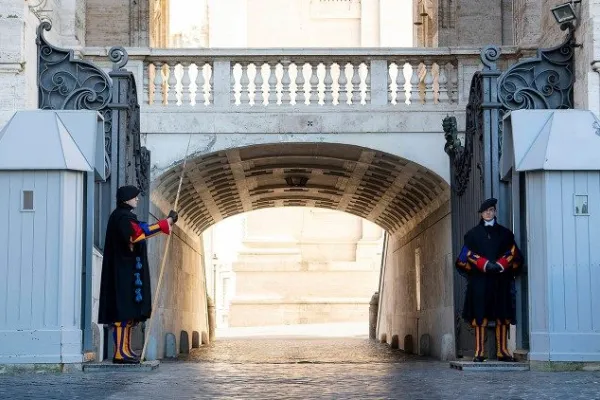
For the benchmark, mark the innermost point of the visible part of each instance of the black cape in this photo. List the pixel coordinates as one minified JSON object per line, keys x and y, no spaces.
{"x":117,"y":288}
{"x":490,"y":296}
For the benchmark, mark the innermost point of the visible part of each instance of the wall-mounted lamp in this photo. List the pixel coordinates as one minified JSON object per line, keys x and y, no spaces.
{"x":566,"y":16}
{"x":565,"y":12}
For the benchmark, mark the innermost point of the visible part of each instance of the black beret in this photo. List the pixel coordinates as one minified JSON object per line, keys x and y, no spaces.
{"x":125,"y":193}
{"x":491,"y":202}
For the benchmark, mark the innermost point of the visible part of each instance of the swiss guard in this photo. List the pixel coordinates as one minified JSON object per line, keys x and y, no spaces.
{"x":125,"y":297}
{"x":490,"y":259}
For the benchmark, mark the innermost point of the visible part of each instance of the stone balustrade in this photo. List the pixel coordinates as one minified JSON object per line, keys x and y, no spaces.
{"x":406,"y":77}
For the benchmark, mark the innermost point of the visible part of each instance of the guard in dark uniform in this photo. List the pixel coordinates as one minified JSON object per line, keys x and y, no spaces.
{"x":490,"y":259}
{"x":125,"y":296}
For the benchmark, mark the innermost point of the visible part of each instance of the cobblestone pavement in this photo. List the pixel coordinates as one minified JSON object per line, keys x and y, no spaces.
{"x":302,"y":369}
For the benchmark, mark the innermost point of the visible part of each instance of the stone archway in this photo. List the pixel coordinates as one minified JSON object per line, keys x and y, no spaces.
{"x":407,"y":199}
{"x":390,"y":191}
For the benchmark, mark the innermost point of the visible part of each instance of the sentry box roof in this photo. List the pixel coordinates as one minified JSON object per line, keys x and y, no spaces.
{"x":53,"y":140}
{"x":566,"y":140}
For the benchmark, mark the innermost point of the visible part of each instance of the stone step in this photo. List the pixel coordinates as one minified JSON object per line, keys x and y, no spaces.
{"x":108,"y":366}
{"x":491,"y":365}
{"x":521,"y":355}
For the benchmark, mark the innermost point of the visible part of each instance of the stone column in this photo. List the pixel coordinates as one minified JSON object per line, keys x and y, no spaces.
{"x":139,"y":23}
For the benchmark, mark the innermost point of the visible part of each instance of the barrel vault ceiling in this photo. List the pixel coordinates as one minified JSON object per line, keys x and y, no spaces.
{"x":385,"y":189}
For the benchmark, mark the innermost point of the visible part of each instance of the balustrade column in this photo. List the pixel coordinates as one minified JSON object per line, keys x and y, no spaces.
{"x":415,"y":80}
{"x":300,"y":94}
{"x":428,"y":82}
{"x":258,"y":84}
{"x":272,"y":83}
{"x":342,"y":83}
{"x":244,"y":85}
{"x":400,"y":82}
{"x":200,"y":95}
{"x":285,"y":83}
{"x":172,"y":84}
{"x":355,"y":87}
{"x":327,"y":83}
{"x":314,"y":84}
{"x":443,"y":86}
{"x":185,"y":84}
{"x":158,"y":84}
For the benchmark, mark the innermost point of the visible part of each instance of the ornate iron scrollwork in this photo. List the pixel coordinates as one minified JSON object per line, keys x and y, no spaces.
{"x":66,"y":83}
{"x":461,"y":156}
{"x":542,"y":82}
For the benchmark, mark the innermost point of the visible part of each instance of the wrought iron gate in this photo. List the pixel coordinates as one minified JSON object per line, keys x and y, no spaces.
{"x":541,"y":82}
{"x":67,"y":83}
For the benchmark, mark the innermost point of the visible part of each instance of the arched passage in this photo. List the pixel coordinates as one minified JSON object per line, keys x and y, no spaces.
{"x":385,"y":189}
{"x":405,"y":198}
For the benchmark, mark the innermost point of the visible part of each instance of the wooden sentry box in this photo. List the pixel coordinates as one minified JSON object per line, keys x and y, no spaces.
{"x":44,"y":158}
{"x":558,"y":154}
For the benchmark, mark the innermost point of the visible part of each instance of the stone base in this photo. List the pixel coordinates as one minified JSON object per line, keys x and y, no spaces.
{"x":521,"y":355}
{"x":108,"y":366}
{"x":491,"y":365}
{"x":563,"y":366}
{"x":37,"y":368}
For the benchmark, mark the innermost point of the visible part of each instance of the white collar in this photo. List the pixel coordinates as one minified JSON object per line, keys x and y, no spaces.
{"x":489,"y":223}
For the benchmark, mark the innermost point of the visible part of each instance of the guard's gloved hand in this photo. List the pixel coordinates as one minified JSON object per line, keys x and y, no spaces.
{"x":493,"y":268}
{"x":173,"y":215}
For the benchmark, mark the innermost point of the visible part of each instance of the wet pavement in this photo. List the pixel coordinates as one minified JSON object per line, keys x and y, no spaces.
{"x":276,"y":368}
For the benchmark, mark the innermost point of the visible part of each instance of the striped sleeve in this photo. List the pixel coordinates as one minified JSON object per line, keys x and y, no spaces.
{"x":512,"y":259}
{"x":467,"y":260}
{"x":142,"y":231}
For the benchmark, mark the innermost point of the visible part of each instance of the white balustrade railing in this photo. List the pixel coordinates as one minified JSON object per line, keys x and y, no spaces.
{"x":310,"y":78}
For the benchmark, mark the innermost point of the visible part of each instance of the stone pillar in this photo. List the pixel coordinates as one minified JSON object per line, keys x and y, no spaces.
{"x":139,"y":23}
{"x":212,"y":319}
{"x":379,"y":79}
{"x":373,"y":310}
{"x":222,"y":83}
{"x":71,"y":23}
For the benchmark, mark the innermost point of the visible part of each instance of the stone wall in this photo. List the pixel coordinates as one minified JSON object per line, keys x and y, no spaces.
{"x":463,"y":22}
{"x":419,"y":264}
{"x":182,"y":298}
{"x":107,"y":23}
{"x":527,"y":22}
{"x":121,"y":23}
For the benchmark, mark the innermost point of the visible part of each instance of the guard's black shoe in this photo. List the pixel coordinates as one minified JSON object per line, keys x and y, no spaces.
{"x":478,"y":359}
{"x":507,"y":359}
{"x":126,"y":360}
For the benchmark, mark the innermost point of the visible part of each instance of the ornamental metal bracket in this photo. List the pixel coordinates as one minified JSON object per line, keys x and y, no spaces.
{"x":541,"y":82}
{"x":67,"y":83}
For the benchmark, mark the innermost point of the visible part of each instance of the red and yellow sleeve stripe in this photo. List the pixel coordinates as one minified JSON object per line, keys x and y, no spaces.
{"x":510,"y":259}
{"x":468,"y":259}
{"x":143,"y":231}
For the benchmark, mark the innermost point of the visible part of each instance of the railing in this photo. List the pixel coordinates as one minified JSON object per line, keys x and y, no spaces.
{"x":310,"y":78}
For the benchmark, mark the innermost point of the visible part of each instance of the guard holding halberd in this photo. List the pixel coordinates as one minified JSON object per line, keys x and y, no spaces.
{"x":125,"y":295}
